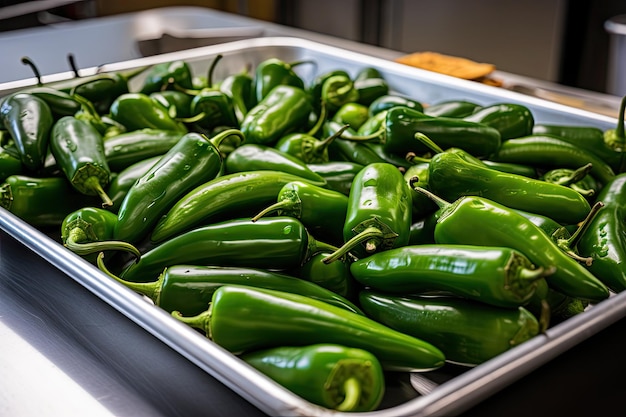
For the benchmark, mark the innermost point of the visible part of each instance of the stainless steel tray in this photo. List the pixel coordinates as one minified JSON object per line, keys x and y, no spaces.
{"x":454,"y":391}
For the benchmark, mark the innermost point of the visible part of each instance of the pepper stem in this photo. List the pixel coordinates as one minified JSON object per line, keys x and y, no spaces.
{"x":371,"y":236}
{"x":274,"y":207}
{"x":222,"y":136}
{"x":567,"y":244}
{"x":209,"y":77}
{"x":544,"y":316}
{"x":151,"y":290}
{"x":428,"y":142}
{"x":93,"y":183}
{"x":320,"y":120}
{"x":440,"y":202}
{"x":200,"y":321}
{"x":536,"y":273}
{"x":412,"y":158}
{"x":352,"y":391}
{"x":363,"y":138}
{"x":76,"y":242}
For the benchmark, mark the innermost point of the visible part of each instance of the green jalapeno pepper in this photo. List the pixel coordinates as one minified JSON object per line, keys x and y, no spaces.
{"x":165,"y":75}
{"x":89,"y":230}
{"x":125,"y":149}
{"x":189,"y":288}
{"x":78,"y":149}
{"x":240,"y":89}
{"x":519,"y":169}
{"x":369,"y":89}
{"x":334,"y":276}
{"x":138,"y":111}
{"x":123,"y":180}
{"x":560,"y":306}
{"x":60,"y":103}
{"x":510,"y":119}
{"x":498,"y":276}
{"x":373,"y":125}
{"x":41,"y":201}
{"x":467,"y":332}
{"x":338,"y":174}
{"x":253,"y":157}
{"x":603,"y":238}
{"x":176,"y":102}
{"x":422,"y":205}
{"x":274,"y":72}
{"x":322,"y":211}
{"x":193,"y":161}
{"x":551,"y":152}
{"x":576,"y":179}
{"x":455,"y":173}
{"x":402,"y":123}
{"x":329,"y":375}
{"x":616,"y":138}
{"x":283,"y":110}
{"x":352,"y":114}
{"x":29,"y":120}
{"x":338,"y":90}
{"x":452,"y":108}
{"x":231,"y":195}
{"x":393,"y":100}
{"x":306,"y":147}
{"x":269,"y":243}
{"x":315,"y":88}
{"x":242,"y":319}
{"x":474,"y":220}
{"x":378,"y":216}
{"x":10,"y":163}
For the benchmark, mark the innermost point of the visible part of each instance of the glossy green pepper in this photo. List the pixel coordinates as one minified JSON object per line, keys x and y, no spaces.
{"x":274,"y":72}
{"x":89,"y":230}
{"x":468,"y":332}
{"x":393,"y":100}
{"x":452,"y":108}
{"x":315,"y":88}
{"x":29,"y":120}
{"x":370,"y":88}
{"x":379,"y":212}
{"x":352,"y":114}
{"x":194,"y":160}
{"x":473,"y":220}
{"x":576,"y":179}
{"x":60,"y":103}
{"x":239,"y":87}
{"x":166,"y":75}
{"x":138,"y":111}
{"x":283,"y":110}
{"x":125,"y":149}
{"x":269,"y":243}
{"x":402,"y":123}
{"x":338,"y":90}
{"x":334,"y":276}
{"x":373,"y":125}
{"x":242,"y":319}
{"x":122,"y":181}
{"x":510,"y":119}
{"x":253,"y":157}
{"x":338,"y":174}
{"x":306,"y":147}
{"x":78,"y":149}
{"x":498,"y":276}
{"x":178,"y":103}
{"x":189,"y":288}
{"x":10,"y":164}
{"x":422,"y":205}
{"x":322,"y":211}
{"x":329,"y":375}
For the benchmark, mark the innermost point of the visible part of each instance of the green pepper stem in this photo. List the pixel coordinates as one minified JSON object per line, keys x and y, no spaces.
{"x":200,"y":321}
{"x":574,"y":176}
{"x":352,"y":391}
{"x":323,"y":144}
{"x":428,"y":142}
{"x":274,"y":207}
{"x":536,"y":273}
{"x":320,"y":120}
{"x":93,"y":183}
{"x":573,"y":240}
{"x":363,"y":138}
{"x":412,"y":158}
{"x":151,"y":290}
{"x":222,"y":136}
{"x":371,"y":236}
{"x":544,"y":316}
{"x":192,"y":119}
{"x":76,"y":243}
{"x":440,"y":202}
{"x":209,"y":77}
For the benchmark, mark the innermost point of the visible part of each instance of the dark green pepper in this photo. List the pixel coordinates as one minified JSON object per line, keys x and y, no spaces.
{"x":322,"y":211}
{"x":274,"y":72}
{"x":352,"y":114}
{"x":510,"y":119}
{"x":60,"y":103}
{"x":379,"y":211}
{"x":334,"y":276}
{"x":166,"y":75}
{"x":78,"y":149}
{"x":576,"y":179}
{"x":468,"y":332}
{"x":253,"y":157}
{"x":239,"y":87}
{"x":189,"y":288}
{"x":473,"y":220}
{"x":452,"y":108}
{"x":422,"y":205}
{"x":283,"y":110}
{"x":338,"y":174}
{"x":29,"y":120}
{"x":402,"y":123}
{"x":306,"y":147}
{"x":122,"y":181}
{"x":89,"y":230}
{"x":338,"y":90}
{"x":10,"y":163}
{"x":498,"y":276}
{"x":315,"y":89}
{"x":369,"y":89}
{"x":138,"y":111}
{"x":242,"y":319}
{"x":125,"y":149}
{"x":393,"y":100}
{"x":177,"y":103}
{"x":329,"y":375}
{"x":239,"y":194}
{"x":270,"y":243}
{"x":193,"y":161}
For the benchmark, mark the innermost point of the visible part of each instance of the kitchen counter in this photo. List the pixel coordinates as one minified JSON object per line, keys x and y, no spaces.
{"x":68,"y":353}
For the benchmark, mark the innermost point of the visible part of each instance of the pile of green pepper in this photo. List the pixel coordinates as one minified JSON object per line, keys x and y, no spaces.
{"x":325,"y":231}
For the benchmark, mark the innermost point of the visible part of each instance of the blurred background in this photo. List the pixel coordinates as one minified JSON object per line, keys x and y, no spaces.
{"x":560,"y":41}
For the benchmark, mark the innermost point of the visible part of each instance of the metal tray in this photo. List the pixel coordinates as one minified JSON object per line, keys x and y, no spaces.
{"x":449,"y":391}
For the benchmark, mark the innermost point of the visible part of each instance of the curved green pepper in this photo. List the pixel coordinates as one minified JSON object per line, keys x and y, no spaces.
{"x":315,"y":89}
{"x":10,"y":164}
{"x":274,"y":72}
{"x":178,"y":103}
{"x":283,"y":110}
{"x":498,"y":276}
{"x":189,"y":288}
{"x":393,"y":100}
{"x":510,"y":119}
{"x":369,"y":89}
{"x":253,"y":157}
{"x":352,"y":114}
{"x":241,"y":319}
{"x":270,"y":243}
{"x":138,"y":111}
{"x":467,"y":332}
{"x":452,"y":108}
{"x":165,"y":75}
{"x":329,"y":375}
{"x":89,"y":230}
{"x":231,"y":195}
{"x":78,"y":149}
{"x":239,"y":87}
{"x":193,"y":161}
{"x":29,"y":120}
{"x":322,"y":211}
{"x":60,"y":103}
{"x":121,"y":183}
{"x":379,"y":212}
{"x":473,"y":220}
{"x":125,"y":149}
{"x":402,"y":123}
{"x":338,"y":174}
{"x":334,"y":276}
